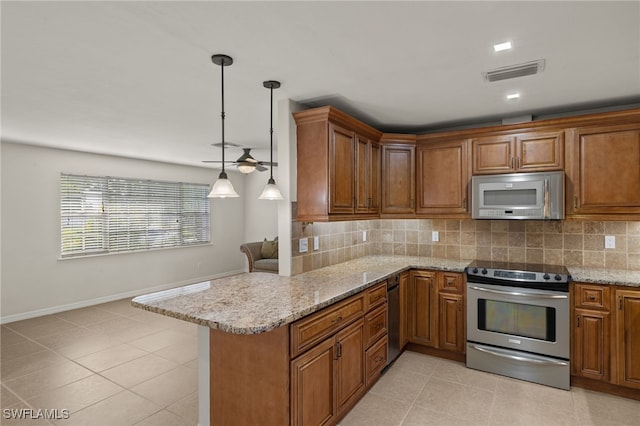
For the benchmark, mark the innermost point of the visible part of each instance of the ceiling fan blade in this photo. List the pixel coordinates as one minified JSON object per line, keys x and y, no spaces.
{"x":260,"y":167}
{"x":246,"y":157}
{"x":217,"y":161}
{"x":267,"y":163}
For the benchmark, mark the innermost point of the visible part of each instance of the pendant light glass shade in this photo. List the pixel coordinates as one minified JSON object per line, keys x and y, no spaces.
{"x":271,"y":191}
{"x":222,"y":188}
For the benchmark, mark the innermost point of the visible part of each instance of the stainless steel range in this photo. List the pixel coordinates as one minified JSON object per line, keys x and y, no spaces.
{"x":518,"y":321}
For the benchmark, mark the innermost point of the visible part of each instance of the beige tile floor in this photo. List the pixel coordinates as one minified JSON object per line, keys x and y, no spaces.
{"x":114,"y":365}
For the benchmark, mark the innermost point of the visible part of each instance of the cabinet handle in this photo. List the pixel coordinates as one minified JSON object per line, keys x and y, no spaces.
{"x":336,"y":320}
{"x":620,"y":303}
{"x":378,"y":297}
{"x":379,"y":359}
{"x":592,"y":297}
{"x":459,"y":305}
{"x":511,"y":163}
{"x":339,"y":349}
{"x":578,"y":321}
{"x":464,"y":204}
{"x":336,"y":350}
{"x":378,"y":326}
{"x":575,"y":201}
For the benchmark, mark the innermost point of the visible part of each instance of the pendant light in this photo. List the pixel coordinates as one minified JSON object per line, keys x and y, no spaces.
{"x":271,"y":191}
{"x":222,"y":188}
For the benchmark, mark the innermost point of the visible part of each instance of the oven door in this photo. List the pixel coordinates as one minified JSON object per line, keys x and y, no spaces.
{"x":522,"y":319}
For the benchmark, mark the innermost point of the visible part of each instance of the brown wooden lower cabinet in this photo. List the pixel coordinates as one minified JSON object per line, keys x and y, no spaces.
{"x":437,"y":310}
{"x":606,"y":338}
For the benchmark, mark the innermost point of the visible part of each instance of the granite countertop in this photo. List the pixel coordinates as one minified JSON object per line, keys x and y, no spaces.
{"x":605,"y":276}
{"x":253,"y":303}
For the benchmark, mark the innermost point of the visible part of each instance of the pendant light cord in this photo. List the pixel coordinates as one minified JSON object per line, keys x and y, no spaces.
{"x":222,"y":116}
{"x":271,"y":134}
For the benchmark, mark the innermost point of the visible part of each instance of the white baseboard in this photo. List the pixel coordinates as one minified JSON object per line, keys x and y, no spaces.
{"x":104,"y":299}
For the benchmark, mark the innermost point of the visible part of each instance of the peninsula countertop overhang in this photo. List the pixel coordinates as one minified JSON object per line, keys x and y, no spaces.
{"x":252,"y":303}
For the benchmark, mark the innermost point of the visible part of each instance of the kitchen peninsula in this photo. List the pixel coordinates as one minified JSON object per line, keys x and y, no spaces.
{"x":253,"y":329}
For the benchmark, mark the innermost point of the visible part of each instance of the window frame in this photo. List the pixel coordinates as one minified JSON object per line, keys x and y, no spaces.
{"x":130,"y":215}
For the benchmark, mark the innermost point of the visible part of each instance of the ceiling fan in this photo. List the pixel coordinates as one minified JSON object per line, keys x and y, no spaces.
{"x":246,"y":163}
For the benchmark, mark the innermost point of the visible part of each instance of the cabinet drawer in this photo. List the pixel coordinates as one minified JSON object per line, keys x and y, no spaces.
{"x":593,"y":296}
{"x":375,"y":360}
{"x":451,"y":282}
{"x":312,"y":329}
{"x":375,"y":325}
{"x":375,"y":296}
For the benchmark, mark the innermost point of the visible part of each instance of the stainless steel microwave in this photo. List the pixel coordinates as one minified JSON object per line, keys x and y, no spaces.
{"x":518,"y":196}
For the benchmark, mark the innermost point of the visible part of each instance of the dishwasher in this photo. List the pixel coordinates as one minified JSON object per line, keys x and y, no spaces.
{"x":393,"y":319}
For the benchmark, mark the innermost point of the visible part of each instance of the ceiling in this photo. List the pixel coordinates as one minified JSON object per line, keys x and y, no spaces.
{"x":135,"y":78}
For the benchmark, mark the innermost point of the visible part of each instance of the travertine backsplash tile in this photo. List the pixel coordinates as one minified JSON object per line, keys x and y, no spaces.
{"x":572,"y":243}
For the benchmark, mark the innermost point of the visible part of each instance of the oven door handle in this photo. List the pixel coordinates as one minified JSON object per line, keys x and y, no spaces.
{"x":516,"y":293}
{"x":519,"y":358}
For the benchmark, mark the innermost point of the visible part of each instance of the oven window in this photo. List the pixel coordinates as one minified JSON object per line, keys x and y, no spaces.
{"x":518,"y":319}
{"x":513,"y":198}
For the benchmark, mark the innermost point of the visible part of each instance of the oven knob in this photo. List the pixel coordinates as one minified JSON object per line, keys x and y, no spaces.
{"x":546,"y":276}
{"x":558,"y":278}
{"x":484,"y":271}
{"x":475,"y":270}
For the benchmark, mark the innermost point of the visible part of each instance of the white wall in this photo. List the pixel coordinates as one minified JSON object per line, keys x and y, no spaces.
{"x":261,"y":216}
{"x":34,"y":281}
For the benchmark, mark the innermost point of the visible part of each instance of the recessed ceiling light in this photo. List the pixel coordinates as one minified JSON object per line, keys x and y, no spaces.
{"x":513,"y":96}
{"x":502,"y":46}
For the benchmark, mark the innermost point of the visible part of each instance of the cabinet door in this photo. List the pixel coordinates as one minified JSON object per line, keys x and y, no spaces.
{"x":350,"y":375}
{"x":628,"y":337}
{"x":493,"y":154}
{"x":341,"y":170}
{"x":604,"y":171}
{"x":452,"y":322}
{"x":592,"y":342}
{"x":374,"y":179}
{"x":363,"y":153}
{"x":422,"y":291}
{"x":313,"y":398}
{"x":442,"y":177}
{"x":398,"y":179}
{"x":404,"y":308}
{"x":540,"y":151}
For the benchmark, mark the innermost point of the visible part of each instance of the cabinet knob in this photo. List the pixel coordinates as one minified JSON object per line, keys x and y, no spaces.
{"x":337,"y":320}
{"x":592,"y":297}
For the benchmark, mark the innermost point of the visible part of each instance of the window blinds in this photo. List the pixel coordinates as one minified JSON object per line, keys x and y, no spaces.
{"x":108,"y":215}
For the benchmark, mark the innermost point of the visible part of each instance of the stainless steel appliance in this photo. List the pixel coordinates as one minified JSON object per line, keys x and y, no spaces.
{"x":518,"y":196}
{"x":393,"y":319}
{"x":518,"y":321}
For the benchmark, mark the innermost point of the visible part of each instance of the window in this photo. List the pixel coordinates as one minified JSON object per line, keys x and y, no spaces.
{"x":109,"y":215}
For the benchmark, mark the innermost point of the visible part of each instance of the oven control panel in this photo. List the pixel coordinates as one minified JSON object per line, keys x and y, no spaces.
{"x":557,"y":275}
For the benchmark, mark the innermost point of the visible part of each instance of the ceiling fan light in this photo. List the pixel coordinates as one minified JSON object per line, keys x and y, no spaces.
{"x":246,"y":167}
{"x":223,"y":188}
{"x":271,"y":192}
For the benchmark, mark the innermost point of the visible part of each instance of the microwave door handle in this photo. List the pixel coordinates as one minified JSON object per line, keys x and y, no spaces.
{"x":546,"y":199}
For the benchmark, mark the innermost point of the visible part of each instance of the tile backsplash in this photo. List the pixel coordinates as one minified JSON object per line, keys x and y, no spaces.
{"x":572,"y":243}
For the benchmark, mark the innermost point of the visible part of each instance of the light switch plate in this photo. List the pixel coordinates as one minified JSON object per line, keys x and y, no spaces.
{"x":316,"y":243}
{"x":303,"y":245}
{"x":364,"y":236}
{"x":435,"y":236}
{"x":609,"y":241}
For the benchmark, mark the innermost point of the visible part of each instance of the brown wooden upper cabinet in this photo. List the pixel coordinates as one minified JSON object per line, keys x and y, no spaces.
{"x":443,"y":173}
{"x":523,"y":152}
{"x":338,"y":166}
{"x":398,"y":175}
{"x":603,"y":171}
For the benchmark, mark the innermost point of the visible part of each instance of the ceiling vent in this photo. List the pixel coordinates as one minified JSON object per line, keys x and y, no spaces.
{"x":514,"y":71}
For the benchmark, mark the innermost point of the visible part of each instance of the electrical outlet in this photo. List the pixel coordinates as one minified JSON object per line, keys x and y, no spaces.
{"x":364,"y":236}
{"x":435,"y":236}
{"x":610,"y":241}
{"x":316,"y":243}
{"x":303,"y":245}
